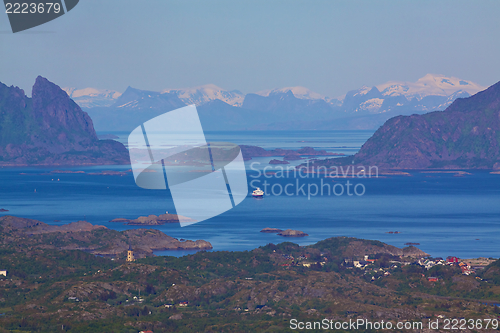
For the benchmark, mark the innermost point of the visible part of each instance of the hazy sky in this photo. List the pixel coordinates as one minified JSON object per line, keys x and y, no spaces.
{"x":328,"y":46}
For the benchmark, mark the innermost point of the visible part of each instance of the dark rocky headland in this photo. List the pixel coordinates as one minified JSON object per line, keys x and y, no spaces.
{"x":50,"y":129}
{"x":464,"y":136}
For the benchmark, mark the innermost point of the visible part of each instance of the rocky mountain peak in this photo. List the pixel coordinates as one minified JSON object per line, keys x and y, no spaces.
{"x":50,"y":129}
{"x":52,"y":105}
{"x":465,"y":135}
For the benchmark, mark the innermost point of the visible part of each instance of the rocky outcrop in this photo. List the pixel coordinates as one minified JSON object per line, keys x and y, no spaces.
{"x":50,"y":129}
{"x":108,"y":173}
{"x":271,"y":230}
{"x":412,"y":251}
{"x":292,"y":233}
{"x":275,"y":161}
{"x":155,"y":220}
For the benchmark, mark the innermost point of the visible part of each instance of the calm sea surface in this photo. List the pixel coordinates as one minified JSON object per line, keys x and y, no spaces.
{"x":447,"y":215}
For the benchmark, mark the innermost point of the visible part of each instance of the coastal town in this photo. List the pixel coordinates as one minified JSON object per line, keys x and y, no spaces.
{"x":45,"y":276}
{"x":371,"y":265}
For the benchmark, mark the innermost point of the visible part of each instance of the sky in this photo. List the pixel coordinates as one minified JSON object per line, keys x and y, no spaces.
{"x":329,"y":46}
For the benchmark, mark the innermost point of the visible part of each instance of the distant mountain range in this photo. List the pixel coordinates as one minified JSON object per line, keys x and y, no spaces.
{"x":464,"y":136}
{"x":50,"y":129}
{"x":291,"y":108}
{"x":204,"y":94}
{"x":91,"y":97}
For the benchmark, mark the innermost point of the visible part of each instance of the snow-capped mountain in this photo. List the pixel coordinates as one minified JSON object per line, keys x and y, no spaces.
{"x":281,"y":108}
{"x":206,"y":93}
{"x":91,"y":97}
{"x":372,"y":105}
{"x":361,"y":91}
{"x":430,"y":84}
{"x":299,"y":92}
{"x":430,"y":93}
{"x":450,"y":99}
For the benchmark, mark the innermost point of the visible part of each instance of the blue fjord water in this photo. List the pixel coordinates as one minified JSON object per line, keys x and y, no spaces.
{"x":447,"y":215}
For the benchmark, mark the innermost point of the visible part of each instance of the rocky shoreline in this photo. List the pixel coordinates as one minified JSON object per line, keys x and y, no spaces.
{"x":292,"y":233}
{"x":95,"y":239}
{"x":284,"y":233}
{"x":154,"y":220}
{"x":271,"y":230}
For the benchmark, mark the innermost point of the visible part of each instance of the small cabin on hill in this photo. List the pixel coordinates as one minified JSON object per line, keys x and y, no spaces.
{"x":452,"y":259}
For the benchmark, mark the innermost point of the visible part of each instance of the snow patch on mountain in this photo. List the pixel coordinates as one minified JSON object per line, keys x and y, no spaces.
{"x":206,"y":93}
{"x":131,"y":104}
{"x":452,"y":98}
{"x":92,"y":97}
{"x":430,"y":84}
{"x":299,"y":92}
{"x":371,"y":105}
{"x":362,"y":91}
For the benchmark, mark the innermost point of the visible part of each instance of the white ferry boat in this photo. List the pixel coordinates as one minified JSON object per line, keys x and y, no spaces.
{"x":258,"y":193}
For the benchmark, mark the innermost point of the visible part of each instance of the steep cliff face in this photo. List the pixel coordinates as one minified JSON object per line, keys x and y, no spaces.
{"x":50,"y":129}
{"x":465,"y":135}
{"x":59,"y":117}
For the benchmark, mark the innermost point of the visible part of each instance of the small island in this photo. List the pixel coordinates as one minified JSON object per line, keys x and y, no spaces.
{"x":292,"y":233}
{"x":65,"y":171}
{"x":275,"y":161}
{"x":155,"y":220}
{"x":284,"y":233}
{"x":3,"y":210}
{"x":108,"y":173}
{"x":271,"y":230}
